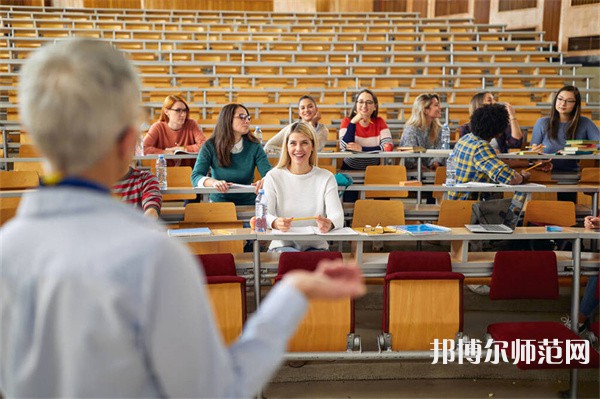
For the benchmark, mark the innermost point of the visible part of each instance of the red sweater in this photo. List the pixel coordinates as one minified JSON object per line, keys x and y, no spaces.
{"x":161,"y":136}
{"x":139,"y":187}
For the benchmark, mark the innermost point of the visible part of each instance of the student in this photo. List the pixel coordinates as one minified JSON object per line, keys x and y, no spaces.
{"x":422,"y":129}
{"x":476,"y":160}
{"x":309,"y":113}
{"x":297,"y":188}
{"x":97,"y":302}
{"x":364,"y":131}
{"x":589,"y":302}
{"x":174,"y":131}
{"x":231,"y":154}
{"x":564,"y":123}
{"x":512,"y":137}
{"x":140,"y":188}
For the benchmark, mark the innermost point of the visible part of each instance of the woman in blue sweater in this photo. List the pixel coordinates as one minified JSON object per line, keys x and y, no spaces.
{"x":231,"y":154}
{"x":564,"y":123}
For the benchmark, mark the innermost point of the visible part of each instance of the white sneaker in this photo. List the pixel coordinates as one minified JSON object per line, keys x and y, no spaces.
{"x":479,"y":289}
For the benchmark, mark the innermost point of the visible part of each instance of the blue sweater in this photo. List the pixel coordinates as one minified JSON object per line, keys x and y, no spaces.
{"x":586,"y":130}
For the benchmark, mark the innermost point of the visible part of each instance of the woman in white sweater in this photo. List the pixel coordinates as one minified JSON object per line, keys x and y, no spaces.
{"x":297,"y":188}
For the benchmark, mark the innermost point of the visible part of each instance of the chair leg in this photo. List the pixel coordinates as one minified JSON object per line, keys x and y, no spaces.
{"x":573,"y":387}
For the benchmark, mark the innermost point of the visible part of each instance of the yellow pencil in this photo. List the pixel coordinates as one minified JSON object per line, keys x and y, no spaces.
{"x":307,"y":218}
{"x":534,"y":166}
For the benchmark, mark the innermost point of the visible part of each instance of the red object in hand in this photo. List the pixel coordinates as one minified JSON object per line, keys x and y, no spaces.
{"x":388,"y":147}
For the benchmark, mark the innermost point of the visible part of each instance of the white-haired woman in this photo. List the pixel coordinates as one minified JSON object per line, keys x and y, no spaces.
{"x":297,"y":188}
{"x":423,"y":129}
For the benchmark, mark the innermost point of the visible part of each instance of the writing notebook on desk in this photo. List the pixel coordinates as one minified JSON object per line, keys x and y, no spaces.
{"x":197,"y":231}
{"x":423,"y":229}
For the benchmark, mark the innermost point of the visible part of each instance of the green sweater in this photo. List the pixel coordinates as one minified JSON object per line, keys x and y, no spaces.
{"x":241,"y":170}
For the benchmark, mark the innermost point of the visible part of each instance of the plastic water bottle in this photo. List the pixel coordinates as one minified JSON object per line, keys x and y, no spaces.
{"x":451,"y":170}
{"x":139,"y":146}
{"x":445,"y":137}
{"x":258,"y":134}
{"x":161,"y":172}
{"x":261,"y":212}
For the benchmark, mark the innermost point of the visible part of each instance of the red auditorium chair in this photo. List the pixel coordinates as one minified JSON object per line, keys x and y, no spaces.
{"x":422,"y":301}
{"x":328,"y":324}
{"x":227,"y":292}
{"x":532,"y":275}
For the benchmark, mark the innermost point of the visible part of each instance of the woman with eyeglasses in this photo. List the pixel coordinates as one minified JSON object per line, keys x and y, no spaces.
{"x":231,"y":154}
{"x":309,"y":113}
{"x":364,"y":131}
{"x":174,"y":131}
{"x":422,"y":129}
{"x":564,"y":123}
{"x":298,"y":189}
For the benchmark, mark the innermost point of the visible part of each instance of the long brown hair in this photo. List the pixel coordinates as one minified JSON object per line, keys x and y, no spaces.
{"x":376,"y":104}
{"x":574,"y":116}
{"x":224,"y":136}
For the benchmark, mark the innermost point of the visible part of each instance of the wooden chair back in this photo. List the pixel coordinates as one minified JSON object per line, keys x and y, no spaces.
{"x":227,"y":293}
{"x":421,"y":310}
{"x":374,"y":212}
{"x":18,"y":180}
{"x":440,"y":178}
{"x":385,"y":174}
{"x":214,"y":215}
{"x":559,"y":213}
{"x":588,"y":176}
{"x":455,"y":213}
{"x":179,"y":176}
{"x":330,"y":168}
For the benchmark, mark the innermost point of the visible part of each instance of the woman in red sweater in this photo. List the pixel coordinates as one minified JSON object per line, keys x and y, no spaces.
{"x":175,"y":131}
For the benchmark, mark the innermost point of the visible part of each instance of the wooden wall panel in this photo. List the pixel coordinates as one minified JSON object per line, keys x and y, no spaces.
{"x":509,"y":5}
{"x":481,"y":12}
{"x":225,"y":5}
{"x":390,"y":5}
{"x":419,"y":6}
{"x":551,"y":21}
{"x":345,"y":5}
{"x":37,"y":3}
{"x":450,"y":7}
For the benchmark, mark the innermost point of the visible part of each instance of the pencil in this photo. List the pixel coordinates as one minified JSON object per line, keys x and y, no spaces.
{"x":534,"y":166}
{"x":307,"y":218}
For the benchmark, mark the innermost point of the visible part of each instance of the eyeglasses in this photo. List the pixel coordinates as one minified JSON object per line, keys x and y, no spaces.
{"x":565,"y":100}
{"x":179,"y":110}
{"x":244,"y":117}
{"x":368,"y":102}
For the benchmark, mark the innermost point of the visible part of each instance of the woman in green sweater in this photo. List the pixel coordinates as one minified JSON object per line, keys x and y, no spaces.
{"x":231,"y":154}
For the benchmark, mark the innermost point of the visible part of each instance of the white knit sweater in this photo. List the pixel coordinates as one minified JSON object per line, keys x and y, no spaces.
{"x":314,"y":193}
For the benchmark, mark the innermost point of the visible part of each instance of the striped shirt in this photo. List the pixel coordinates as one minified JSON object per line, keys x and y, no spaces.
{"x":140,"y":188}
{"x":476,"y":161}
{"x":370,"y":138}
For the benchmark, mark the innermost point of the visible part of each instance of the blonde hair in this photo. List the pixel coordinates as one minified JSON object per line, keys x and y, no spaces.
{"x":417,"y":117}
{"x":308,"y":131}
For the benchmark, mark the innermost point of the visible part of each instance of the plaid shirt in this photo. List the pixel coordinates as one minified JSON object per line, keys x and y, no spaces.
{"x":476,"y":161}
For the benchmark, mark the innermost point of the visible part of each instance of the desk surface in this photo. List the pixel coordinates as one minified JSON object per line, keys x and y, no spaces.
{"x":456,"y":234}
